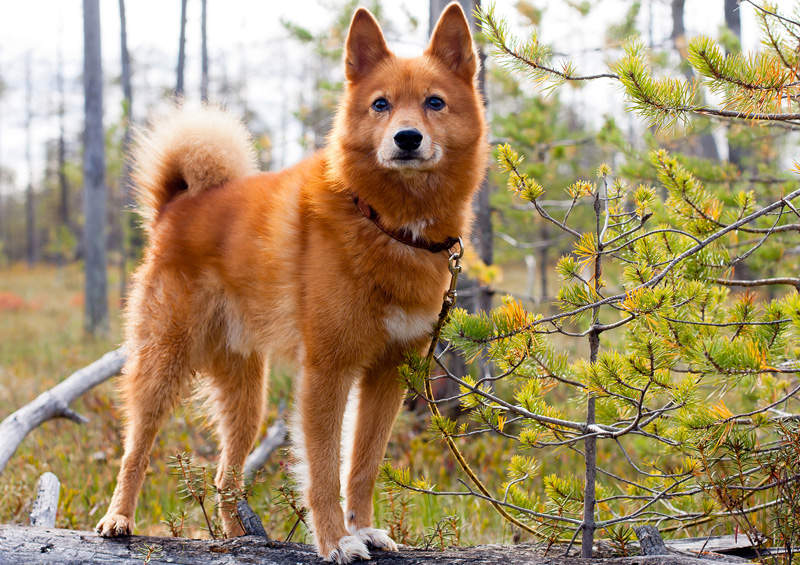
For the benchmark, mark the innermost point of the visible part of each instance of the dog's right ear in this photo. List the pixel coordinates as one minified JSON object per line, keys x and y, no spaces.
{"x":451,"y":42}
{"x":365,"y":46}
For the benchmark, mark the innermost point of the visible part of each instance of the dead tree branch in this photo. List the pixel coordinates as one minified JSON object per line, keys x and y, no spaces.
{"x":275,"y":437}
{"x":54,"y":403}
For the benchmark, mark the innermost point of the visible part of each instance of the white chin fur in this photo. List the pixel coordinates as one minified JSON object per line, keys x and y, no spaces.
{"x":348,"y":550}
{"x":422,"y":164}
{"x":375,"y":538}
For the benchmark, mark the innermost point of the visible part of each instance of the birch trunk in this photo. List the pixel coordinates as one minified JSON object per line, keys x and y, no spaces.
{"x":94,"y":189}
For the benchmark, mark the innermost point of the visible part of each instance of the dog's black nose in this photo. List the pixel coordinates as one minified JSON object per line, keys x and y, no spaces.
{"x":408,"y":139}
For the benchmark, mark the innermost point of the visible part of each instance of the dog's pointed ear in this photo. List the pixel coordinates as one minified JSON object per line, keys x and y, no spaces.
{"x":451,"y":42}
{"x":365,"y":46}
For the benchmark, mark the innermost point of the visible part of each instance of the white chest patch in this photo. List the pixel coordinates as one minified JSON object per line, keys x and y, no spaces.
{"x":404,"y":326}
{"x":416,"y":228}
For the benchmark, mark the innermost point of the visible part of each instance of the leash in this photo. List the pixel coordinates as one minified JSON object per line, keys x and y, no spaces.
{"x":454,"y":265}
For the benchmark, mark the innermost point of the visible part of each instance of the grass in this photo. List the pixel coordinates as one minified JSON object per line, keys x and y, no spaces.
{"x":42,"y":341}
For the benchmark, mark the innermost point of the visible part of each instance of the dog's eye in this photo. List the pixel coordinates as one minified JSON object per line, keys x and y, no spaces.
{"x":434,"y":103}
{"x":380,"y":105}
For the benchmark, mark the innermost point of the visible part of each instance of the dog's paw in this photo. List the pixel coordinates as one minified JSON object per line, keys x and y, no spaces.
{"x":114,"y":525}
{"x":375,"y":538}
{"x":347,"y":550}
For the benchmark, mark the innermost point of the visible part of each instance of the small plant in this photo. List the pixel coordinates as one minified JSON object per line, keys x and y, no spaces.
{"x":148,"y":551}
{"x":782,"y":470}
{"x":228,"y":497}
{"x":175,"y":521}
{"x":195,"y":484}
{"x":289,"y":499}
{"x":741,"y":471}
{"x":446,"y":532}
{"x":620,"y":538}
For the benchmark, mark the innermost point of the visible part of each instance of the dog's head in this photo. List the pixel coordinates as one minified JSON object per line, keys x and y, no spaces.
{"x":414,"y":115}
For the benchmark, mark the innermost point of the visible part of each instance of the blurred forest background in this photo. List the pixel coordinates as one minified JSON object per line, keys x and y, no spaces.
{"x":69,"y":238}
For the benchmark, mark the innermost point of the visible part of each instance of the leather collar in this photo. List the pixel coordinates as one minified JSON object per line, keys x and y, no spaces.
{"x":402,"y":235}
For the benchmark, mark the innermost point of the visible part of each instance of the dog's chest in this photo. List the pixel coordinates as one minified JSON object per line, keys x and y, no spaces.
{"x":407,"y":325}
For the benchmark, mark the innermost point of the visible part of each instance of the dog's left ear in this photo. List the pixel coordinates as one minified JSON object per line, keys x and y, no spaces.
{"x":451,"y":42}
{"x":365,"y":46}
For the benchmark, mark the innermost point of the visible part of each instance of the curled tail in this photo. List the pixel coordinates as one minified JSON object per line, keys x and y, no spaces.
{"x":189,"y":150}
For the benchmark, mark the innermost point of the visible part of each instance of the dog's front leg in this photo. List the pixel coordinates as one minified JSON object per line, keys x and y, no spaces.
{"x":323,"y":396}
{"x":380,"y":397}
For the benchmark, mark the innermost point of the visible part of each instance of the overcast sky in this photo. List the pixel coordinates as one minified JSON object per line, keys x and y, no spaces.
{"x":247,"y":39}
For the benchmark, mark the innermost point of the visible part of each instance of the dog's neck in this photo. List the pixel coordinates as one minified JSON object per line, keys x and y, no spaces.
{"x":410,"y":235}
{"x":428,"y":205}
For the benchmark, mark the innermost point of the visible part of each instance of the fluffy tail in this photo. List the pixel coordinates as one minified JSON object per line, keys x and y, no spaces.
{"x":189,"y":150}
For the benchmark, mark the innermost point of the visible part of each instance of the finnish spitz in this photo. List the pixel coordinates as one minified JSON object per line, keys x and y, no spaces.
{"x":338,"y":263}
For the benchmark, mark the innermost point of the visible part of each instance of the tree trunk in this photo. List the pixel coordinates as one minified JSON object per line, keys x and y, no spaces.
{"x":734,"y":23}
{"x":4,"y":252}
{"x":63,"y":185}
{"x":126,"y":219}
{"x":482,"y":231}
{"x":590,"y":465}
{"x":94,"y":190}
{"x":204,"y":54}
{"x":708,"y":147}
{"x":678,"y":31}
{"x":181,"y":53}
{"x":732,"y":17}
{"x":31,"y":243}
{"x":544,"y":253}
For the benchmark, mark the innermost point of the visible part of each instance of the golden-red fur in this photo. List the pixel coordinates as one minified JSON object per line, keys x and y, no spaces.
{"x":241,"y":267}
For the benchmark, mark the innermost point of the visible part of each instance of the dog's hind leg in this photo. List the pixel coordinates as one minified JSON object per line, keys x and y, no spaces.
{"x":152,"y":381}
{"x":238,"y":392}
{"x":381,"y":395}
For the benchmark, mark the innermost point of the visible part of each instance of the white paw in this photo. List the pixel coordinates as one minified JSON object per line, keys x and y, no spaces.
{"x":348,"y":550}
{"x":375,"y":538}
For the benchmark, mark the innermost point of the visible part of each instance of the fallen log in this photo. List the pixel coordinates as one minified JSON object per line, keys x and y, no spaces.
{"x":54,"y":403}
{"x":24,"y":544}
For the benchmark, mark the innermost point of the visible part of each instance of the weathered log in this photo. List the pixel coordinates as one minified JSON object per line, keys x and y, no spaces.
{"x":250,"y":521}
{"x":738,"y":545}
{"x":20,"y":544}
{"x":54,"y":403}
{"x":650,"y":540}
{"x":275,"y":437}
{"x":45,"y":506}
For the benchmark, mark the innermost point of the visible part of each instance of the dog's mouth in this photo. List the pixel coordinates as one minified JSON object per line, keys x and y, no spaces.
{"x":410,"y":160}
{"x":408,"y":156}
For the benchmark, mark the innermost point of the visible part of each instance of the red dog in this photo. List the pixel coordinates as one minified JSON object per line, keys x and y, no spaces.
{"x":338,"y":263}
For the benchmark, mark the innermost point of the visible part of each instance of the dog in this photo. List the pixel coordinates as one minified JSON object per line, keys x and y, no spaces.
{"x":339,"y":263}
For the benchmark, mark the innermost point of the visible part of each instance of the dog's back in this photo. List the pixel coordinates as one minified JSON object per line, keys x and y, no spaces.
{"x":225,"y":241}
